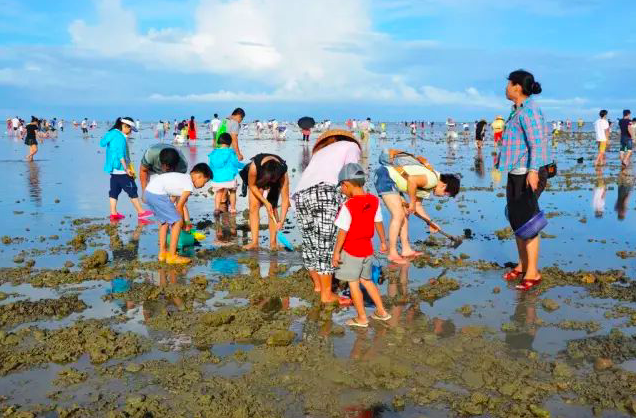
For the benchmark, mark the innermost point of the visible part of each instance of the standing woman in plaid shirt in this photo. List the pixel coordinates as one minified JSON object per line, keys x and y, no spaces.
{"x":523,"y":155}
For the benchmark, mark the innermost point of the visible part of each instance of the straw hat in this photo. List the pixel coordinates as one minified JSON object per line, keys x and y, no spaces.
{"x":339,"y":134}
{"x":499,"y":117}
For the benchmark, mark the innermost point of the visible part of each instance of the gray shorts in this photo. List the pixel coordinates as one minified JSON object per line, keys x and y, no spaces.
{"x":353,"y":268}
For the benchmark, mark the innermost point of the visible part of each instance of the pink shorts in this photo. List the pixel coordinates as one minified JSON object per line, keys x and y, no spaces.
{"x":225,"y":185}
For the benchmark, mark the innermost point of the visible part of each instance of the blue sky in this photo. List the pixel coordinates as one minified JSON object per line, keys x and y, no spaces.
{"x":388,"y":59}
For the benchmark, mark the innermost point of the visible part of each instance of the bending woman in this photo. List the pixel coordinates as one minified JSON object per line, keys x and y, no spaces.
{"x":266,"y":175}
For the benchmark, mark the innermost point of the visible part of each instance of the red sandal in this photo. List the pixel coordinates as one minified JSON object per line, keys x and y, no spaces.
{"x":512,"y":275}
{"x":526,"y":285}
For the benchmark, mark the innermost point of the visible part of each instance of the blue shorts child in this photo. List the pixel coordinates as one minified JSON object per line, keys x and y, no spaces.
{"x":163,"y":208}
{"x":119,"y":182}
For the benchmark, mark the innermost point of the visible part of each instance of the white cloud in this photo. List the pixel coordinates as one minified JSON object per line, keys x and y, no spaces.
{"x":606,"y":55}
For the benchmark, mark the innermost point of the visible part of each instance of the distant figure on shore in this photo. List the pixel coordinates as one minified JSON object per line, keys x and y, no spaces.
{"x":497,"y":128}
{"x":31,"y":137}
{"x":192,"y":128}
{"x":601,"y":127}
{"x":626,"y":138}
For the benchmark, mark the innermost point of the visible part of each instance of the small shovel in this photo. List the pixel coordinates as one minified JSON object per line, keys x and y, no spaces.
{"x":283,"y":240}
{"x":457,"y":241}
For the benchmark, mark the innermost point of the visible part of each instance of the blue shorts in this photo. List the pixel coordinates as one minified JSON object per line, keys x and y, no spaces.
{"x":626,"y":144}
{"x":119,"y":182}
{"x":384,"y":184}
{"x":163,"y":208}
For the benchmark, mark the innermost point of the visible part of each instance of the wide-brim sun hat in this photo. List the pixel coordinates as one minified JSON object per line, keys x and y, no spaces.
{"x":339,"y":134}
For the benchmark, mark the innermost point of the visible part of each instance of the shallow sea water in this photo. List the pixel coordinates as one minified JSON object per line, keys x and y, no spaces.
{"x":68,"y":169}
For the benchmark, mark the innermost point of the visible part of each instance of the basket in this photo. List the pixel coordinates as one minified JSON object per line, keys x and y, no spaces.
{"x":532,"y":228}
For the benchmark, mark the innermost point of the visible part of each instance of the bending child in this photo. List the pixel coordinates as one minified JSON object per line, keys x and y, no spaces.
{"x":158,"y":193}
{"x":355,"y":222}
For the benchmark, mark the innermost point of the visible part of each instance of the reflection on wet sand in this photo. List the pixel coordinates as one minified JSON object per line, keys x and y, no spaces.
{"x":35,"y":191}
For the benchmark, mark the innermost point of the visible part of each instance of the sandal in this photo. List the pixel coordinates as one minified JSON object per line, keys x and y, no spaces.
{"x":343,"y":301}
{"x":354,"y":323}
{"x":526,"y":285}
{"x":381,"y":318}
{"x":512,"y":275}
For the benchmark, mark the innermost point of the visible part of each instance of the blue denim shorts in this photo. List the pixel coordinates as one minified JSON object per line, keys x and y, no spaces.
{"x":384,"y":184}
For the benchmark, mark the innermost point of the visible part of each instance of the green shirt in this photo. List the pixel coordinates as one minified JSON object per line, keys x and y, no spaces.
{"x":151,"y":159}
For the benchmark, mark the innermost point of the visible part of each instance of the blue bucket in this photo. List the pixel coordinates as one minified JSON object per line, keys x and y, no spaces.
{"x":532,"y":228}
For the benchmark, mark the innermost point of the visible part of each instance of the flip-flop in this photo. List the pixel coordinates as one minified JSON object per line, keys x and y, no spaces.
{"x":353,"y":323}
{"x":415,"y":254}
{"x":343,"y":301}
{"x":381,"y":318}
{"x":526,"y":285}
{"x":512,"y":275}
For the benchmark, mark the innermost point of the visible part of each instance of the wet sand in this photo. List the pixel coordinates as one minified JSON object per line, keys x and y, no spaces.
{"x":91,"y":325}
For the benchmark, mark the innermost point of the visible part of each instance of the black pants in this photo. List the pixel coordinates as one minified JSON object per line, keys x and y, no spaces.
{"x":305,"y":137}
{"x":522,"y":202}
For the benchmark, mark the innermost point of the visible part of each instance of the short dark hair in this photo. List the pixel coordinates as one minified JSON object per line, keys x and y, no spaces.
{"x":202,"y":168}
{"x":239,"y":111}
{"x":225,"y":139}
{"x":170,"y":157}
{"x":452,"y":183}
{"x":602,"y":113}
{"x":626,"y":112}
{"x":356,"y":182}
{"x":526,"y":80}
{"x":216,"y":115}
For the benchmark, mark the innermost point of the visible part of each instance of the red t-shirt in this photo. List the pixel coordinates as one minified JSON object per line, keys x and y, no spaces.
{"x":358,"y":217}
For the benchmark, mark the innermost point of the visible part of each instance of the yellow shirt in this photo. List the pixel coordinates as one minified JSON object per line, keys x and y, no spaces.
{"x":432,"y":178}
{"x":498,"y":125}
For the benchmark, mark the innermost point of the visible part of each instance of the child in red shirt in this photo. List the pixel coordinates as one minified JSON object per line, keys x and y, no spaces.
{"x":355,"y":222}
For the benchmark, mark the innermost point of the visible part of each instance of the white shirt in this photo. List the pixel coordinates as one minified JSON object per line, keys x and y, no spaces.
{"x":214,"y":124}
{"x":15,"y":122}
{"x":83,"y":124}
{"x":600,"y":126}
{"x":171,"y":184}
{"x":343,"y":220}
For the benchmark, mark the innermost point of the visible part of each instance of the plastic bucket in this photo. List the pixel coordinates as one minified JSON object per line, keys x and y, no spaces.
{"x":186,"y":239}
{"x":532,"y":228}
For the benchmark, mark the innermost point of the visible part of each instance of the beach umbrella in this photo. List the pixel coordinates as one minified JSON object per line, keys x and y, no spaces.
{"x":306,"y":122}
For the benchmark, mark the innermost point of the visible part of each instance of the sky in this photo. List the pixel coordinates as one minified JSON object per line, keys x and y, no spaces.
{"x":389,"y":60}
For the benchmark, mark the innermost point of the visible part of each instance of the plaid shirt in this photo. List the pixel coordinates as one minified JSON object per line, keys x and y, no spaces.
{"x":525,"y":139}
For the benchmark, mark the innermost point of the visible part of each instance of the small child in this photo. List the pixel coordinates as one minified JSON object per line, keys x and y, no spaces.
{"x":355,"y":223}
{"x":158,"y":192}
{"x":225,"y":166}
{"x":122,"y":173}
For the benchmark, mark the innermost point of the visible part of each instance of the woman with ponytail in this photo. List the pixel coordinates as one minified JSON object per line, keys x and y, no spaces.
{"x":120,"y":168}
{"x":524,"y":155}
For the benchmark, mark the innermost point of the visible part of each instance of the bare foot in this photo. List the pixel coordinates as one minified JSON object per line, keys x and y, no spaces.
{"x":411,"y":253}
{"x":275,"y":247}
{"x":251,"y":246}
{"x":331,"y":299}
{"x":233,"y":211}
{"x":396,"y":259}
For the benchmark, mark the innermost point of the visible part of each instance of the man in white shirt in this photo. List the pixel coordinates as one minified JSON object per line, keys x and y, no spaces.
{"x":601,"y":127}
{"x":214,"y":126}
